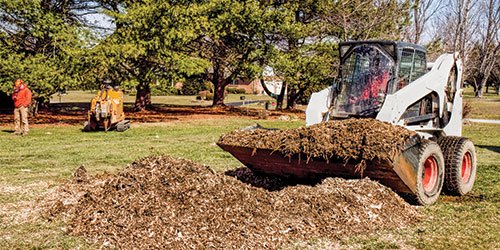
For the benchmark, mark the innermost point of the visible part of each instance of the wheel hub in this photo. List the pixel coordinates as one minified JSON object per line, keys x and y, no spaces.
{"x":430,"y":174}
{"x":466,"y":167}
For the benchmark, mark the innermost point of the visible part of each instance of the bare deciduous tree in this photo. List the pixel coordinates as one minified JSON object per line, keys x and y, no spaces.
{"x":489,"y":46}
{"x":471,"y":29}
{"x":422,"y":11}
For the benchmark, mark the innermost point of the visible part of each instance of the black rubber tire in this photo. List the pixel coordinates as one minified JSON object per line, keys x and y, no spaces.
{"x":429,"y":150}
{"x":122,"y":126}
{"x":86,"y":127}
{"x":455,"y":150}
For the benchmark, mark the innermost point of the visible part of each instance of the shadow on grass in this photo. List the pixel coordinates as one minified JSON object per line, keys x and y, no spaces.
{"x":7,"y":131}
{"x":495,"y":149}
{"x":270,"y":183}
{"x":76,"y":113}
{"x":470,"y":197}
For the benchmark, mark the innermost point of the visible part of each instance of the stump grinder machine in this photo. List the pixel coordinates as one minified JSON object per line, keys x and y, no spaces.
{"x":391,"y":82}
{"x":106,"y":110}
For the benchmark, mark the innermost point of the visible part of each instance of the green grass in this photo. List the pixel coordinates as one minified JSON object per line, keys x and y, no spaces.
{"x":467,"y":222}
{"x":469,"y":93}
{"x":32,"y":165}
{"x":182,"y":100}
{"x":487,"y":107}
{"x":48,"y":151}
{"x":49,"y":155}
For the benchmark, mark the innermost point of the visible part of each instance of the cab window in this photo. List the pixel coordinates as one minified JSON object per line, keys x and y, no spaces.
{"x":419,"y":65}
{"x":405,"y":67}
{"x":412,"y":66}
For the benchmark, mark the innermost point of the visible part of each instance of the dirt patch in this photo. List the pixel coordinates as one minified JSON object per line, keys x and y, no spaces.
{"x":162,"y":202}
{"x":76,"y":113}
{"x":357,"y":139}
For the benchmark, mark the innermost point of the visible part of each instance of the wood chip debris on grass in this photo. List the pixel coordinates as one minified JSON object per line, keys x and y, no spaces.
{"x":162,"y":202}
{"x":357,"y":139}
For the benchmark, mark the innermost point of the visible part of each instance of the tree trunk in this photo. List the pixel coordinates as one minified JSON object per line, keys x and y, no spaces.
{"x":293,"y":96}
{"x":474,"y":85}
{"x":143,"y":97}
{"x":479,"y":90}
{"x":219,"y":86}
{"x":417,"y":21}
{"x":268,"y":92}
{"x":291,"y":99}
{"x":281,"y":97}
{"x":35,"y":105}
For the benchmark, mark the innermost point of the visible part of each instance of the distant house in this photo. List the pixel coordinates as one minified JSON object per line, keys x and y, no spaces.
{"x":250,"y":87}
{"x":272,"y":83}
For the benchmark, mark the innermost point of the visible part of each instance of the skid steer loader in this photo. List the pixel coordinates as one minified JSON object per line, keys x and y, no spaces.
{"x":389,"y":81}
{"x":106,"y":110}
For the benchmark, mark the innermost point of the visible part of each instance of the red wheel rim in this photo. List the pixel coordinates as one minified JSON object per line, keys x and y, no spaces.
{"x":430,"y":174}
{"x":466,"y":167}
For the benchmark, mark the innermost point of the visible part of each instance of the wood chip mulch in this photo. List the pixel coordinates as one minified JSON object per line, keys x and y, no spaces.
{"x":352,"y":139}
{"x":162,"y":202}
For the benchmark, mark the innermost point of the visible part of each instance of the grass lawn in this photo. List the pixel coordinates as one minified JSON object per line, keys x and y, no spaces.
{"x":184,"y":100}
{"x":32,"y":165}
{"x":468,"y":222}
{"x":487,"y":107}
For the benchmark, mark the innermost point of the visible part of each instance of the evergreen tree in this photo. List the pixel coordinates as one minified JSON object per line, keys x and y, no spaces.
{"x":42,"y":43}
{"x":306,"y":39}
{"x":160,"y":41}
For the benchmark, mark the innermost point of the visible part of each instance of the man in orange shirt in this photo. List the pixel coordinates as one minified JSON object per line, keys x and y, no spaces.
{"x":22,"y":99}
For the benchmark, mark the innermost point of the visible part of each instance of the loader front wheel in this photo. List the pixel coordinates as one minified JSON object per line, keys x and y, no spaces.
{"x":460,"y":160}
{"x":430,"y":175}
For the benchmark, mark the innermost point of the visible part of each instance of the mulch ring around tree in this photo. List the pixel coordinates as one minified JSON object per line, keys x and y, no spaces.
{"x":76,"y":113}
{"x":162,"y":202}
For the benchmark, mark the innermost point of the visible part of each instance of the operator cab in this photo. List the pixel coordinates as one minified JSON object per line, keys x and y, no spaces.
{"x":370,"y":70}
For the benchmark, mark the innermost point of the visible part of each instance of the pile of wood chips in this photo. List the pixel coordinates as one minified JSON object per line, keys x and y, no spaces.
{"x":356,"y":139}
{"x":161,"y":202}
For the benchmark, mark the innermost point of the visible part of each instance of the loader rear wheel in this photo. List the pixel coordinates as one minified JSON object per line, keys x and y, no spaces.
{"x":430,"y":174}
{"x":460,"y":162}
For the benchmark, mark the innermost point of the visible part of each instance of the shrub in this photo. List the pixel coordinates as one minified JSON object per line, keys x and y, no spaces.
{"x":240,"y":91}
{"x":163,"y":90}
{"x":209,"y":86}
{"x":203,"y":94}
{"x":232,"y":90}
{"x":193,"y":87}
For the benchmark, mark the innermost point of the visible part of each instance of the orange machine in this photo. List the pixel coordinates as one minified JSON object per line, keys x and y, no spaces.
{"x":106,"y":110}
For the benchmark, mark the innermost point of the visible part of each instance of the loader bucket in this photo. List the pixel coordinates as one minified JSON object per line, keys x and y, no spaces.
{"x":400,"y":174}
{"x":350,"y":148}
